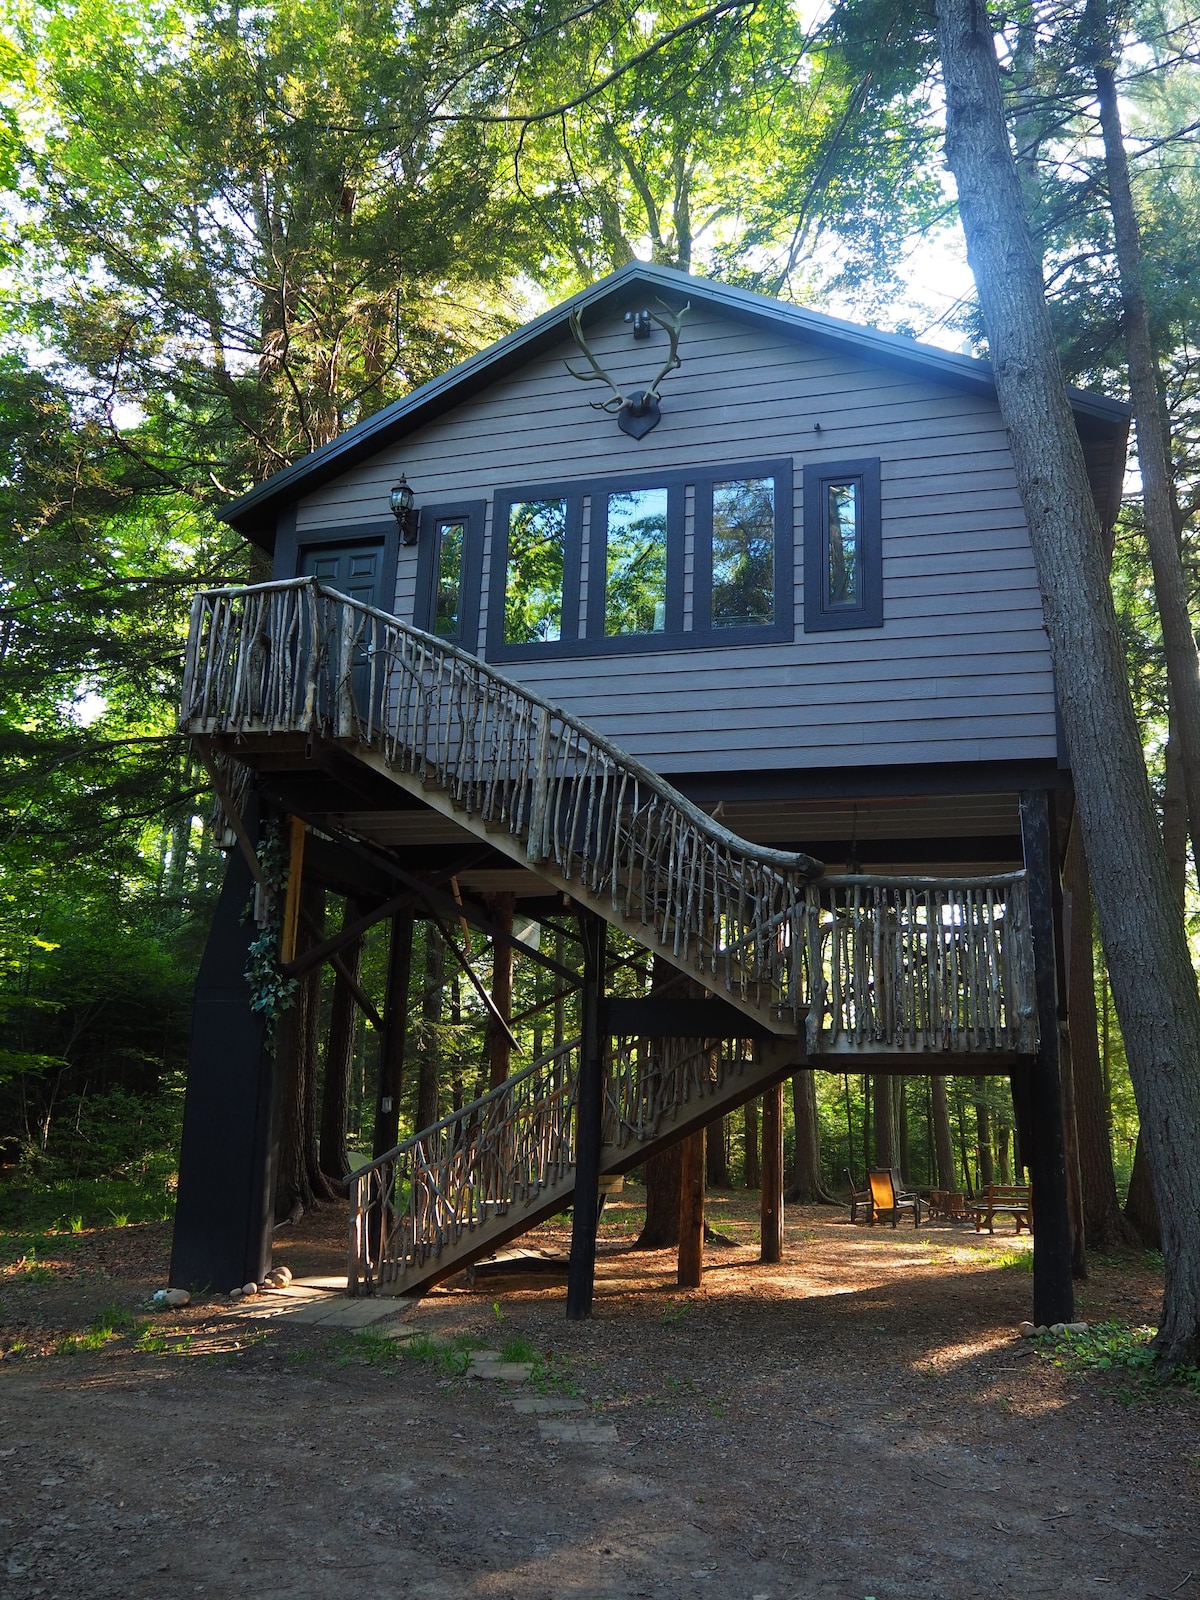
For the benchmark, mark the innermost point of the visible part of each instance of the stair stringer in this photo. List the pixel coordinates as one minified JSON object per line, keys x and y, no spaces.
{"x":776,"y":1060}
{"x":515,"y":848}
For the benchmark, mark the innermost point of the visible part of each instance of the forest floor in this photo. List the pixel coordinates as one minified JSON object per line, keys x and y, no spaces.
{"x":860,"y":1421}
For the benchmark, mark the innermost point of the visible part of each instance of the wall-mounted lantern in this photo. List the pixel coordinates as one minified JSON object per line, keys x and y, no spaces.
{"x":404,"y":508}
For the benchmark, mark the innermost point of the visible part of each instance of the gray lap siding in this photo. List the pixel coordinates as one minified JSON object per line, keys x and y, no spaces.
{"x":960,"y":669}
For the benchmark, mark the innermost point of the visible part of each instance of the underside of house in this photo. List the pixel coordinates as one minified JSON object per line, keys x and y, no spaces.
{"x":762,"y":685}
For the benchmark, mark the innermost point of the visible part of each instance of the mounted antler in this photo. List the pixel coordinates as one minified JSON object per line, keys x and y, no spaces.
{"x":670,"y":326}
{"x":597,"y":374}
{"x":638,"y":412}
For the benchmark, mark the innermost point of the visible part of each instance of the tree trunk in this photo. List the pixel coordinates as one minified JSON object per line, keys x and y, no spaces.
{"x":716,"y":1161}
{"x":339,"y":1056}
{"x":1141,"y":1211}
{"x":983,"y":1133}
{"x":499,"y":1049}
{"x":900,"y":1116}
{"x":1148,"y":962}
{"x":663,"y":1176}
{"x":428,"y":1058}
{"x":1153,"y":439}
{"x":943,"y":1141}
{"x":1103,"y":1223}
{"x":750,"y":1172}
{"x":771,"y":1199}
{"x":806,"y":1186}
{"x":395,"y":1035}
{"x":886,"y":1152}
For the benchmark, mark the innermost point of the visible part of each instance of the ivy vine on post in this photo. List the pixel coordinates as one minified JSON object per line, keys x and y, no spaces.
{"x":270,"y":992}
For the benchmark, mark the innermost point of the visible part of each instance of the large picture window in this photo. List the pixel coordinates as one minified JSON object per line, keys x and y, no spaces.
{"x":843,"y":550}
{"x":632,"y":591}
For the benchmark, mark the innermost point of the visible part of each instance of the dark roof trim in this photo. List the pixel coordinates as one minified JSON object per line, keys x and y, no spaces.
{"x":254,"y":513}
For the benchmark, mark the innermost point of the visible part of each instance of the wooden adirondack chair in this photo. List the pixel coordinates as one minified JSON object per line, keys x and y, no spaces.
{"x":889,"y":1199}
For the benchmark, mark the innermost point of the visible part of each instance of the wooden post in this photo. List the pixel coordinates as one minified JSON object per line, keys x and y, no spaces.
{"x":691,"y":1212}
{"x":222,"y":1235}
{"x":291,"y":903}
{"x":395,"y":1031}
{"x":771,"y":1201}
{"x":589,"y":1124}
{"x":1053,"y":1291}
{"x":499,"y":1041}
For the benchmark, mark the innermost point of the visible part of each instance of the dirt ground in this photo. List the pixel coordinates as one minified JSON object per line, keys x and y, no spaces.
{"x":861,"y":1421}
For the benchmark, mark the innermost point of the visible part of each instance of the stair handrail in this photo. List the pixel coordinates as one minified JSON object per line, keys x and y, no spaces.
{"x":787,"y":861}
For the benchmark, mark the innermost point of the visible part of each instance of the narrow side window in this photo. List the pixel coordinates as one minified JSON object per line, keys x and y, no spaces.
{"x":449,"y":565}
{"x":450,"y":536}
{"x":843,"y":553}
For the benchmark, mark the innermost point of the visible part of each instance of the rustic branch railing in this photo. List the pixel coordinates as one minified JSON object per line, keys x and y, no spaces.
{"x":502,"y":1151}
{"x":920,"y":964}
{"x":299,"y":657}
{"x":865,"y":963}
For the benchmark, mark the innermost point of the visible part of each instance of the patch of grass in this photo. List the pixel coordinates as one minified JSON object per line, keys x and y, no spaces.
{"x":518,"y":1348}
{"x":675,"y":1312}
{"x":114,"y":1322}
{"x":28,"y":1269}
{"x":152,"y":1343}
{"x":1115,"y":1346}
{"x":1015,"y":1260}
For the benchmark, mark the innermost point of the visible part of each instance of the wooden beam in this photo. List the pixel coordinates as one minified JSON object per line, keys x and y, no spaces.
{"x":362,"y":999}
{"x":476,"y":983}
{"x":354,"y":930}
{"x":654,"y":1018}
{"x":1053,"y":1291}
{"x":691,"y":1212}
{"x":589,"y":1125}
{"x":771,"y":1197}
{"x":295,"y":882}
{"x":245,"y":843}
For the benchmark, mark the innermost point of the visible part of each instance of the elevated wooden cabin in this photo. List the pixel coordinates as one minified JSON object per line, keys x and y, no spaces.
{"x":801,"y":602}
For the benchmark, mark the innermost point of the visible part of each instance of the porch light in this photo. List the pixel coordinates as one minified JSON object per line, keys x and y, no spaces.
{"x":404,"y":508}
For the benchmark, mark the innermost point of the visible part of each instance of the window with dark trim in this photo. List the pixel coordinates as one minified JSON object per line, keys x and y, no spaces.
{"x":843,"y":549}
{"x":449,"y":568}
{"x":632,"y":584}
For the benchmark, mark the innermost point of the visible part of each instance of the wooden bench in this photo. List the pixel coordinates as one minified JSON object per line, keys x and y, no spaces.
{"x":1013,"y":1199}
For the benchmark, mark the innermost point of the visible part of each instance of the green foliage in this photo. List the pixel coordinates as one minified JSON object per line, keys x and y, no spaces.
{"x":1116,"y":1347}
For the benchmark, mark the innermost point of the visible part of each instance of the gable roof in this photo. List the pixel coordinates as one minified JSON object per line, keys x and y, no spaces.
{"x":1103,"y":423}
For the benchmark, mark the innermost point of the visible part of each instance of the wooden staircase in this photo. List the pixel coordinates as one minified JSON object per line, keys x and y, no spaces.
{"x":886,"y":972}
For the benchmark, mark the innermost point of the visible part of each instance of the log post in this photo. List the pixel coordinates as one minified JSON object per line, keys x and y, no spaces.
{"x":395,"y":1032}
{"x":1053,"y":1291}
{"x":771,"y":1199}
{"x":222,"y":1235}
{"x":589,"y":1124}
{"x":691,"y":1212}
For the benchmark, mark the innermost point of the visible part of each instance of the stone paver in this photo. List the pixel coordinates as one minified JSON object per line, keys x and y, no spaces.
{"x":558,"y":1430}
{"x":327,"y":1310}
{"x":500,"y":1371}
{"x":533,"y":1405}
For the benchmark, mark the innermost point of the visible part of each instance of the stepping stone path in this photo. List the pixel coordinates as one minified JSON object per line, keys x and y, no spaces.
{"x":316,"y":1305}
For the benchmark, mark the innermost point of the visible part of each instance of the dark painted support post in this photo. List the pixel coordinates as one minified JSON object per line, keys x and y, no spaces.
{"x":395,"y":1032}
{"x":222,"y":1235}
{"x":589,"y":1123}
{"x":691,"y":1212}
{"x":1053,"y":1291}
{"x":771,"y":1198}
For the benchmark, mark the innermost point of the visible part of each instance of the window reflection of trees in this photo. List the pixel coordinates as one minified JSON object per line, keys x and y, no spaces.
{"x":635,"y":590}
{"x":842,"y":571}
{"x":533,"y":587}
{"x":743,"y":553}
{"x":449,"y":579}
